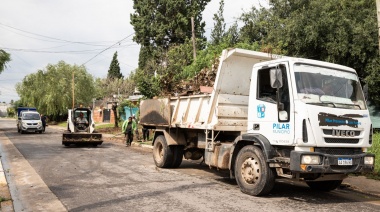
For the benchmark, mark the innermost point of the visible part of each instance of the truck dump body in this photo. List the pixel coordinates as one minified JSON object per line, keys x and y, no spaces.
{"x":225,"y":109}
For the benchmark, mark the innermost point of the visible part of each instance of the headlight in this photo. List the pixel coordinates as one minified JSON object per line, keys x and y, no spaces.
{"x":24,"y":124}
{"x":368,"y":160}
{"x":310,"y":159}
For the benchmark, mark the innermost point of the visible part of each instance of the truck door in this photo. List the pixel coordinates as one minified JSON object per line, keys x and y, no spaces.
{"x":271,"y":110}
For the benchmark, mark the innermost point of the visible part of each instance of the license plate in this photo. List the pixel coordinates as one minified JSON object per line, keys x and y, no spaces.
{"x":344,"y":161}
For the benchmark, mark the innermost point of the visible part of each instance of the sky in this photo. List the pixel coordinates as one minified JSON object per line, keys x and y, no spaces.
{"x":82,"y":32}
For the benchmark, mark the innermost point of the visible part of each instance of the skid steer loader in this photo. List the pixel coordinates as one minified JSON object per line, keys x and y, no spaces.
{"x":81,"y":133}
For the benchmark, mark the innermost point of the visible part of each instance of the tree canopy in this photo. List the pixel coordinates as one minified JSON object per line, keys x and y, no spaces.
{"x":219,"y":25}
{"x":161,"y":24}
{"x":4,"y":58}
{"x":107,"y":87}
{"x":50,"y":90}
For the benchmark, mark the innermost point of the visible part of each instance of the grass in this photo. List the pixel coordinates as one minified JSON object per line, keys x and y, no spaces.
{"x":102,"y":126}
{"x":62,"y":124}
{"x":375,"y":149}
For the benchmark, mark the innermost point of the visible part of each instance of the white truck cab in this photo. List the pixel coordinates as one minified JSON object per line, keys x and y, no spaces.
{"x":319,"y":110}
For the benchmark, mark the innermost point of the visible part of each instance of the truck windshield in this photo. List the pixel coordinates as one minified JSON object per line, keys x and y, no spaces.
{"x":328,"y":87}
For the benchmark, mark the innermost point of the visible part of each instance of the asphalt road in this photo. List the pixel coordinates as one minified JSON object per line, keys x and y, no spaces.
{"x":46,"y":176}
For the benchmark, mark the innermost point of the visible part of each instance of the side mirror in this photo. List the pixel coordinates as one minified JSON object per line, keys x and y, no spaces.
{"x":275,"y":78}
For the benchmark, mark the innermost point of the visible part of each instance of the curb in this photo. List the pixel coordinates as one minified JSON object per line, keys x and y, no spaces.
{"x":137,"y":144}
{"x":6,"y":204}
{"x":27,"y":188}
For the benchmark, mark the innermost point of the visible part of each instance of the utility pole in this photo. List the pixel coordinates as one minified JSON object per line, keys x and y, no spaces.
{"x":378,"y":20}
{"x":193,"y":37}
{"x":73,"y":90}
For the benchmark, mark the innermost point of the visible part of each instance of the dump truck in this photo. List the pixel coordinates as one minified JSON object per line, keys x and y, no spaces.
{"x":268,"y":117}
{"x":79,"y":133}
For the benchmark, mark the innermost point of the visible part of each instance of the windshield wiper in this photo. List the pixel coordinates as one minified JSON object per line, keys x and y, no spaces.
{"x":322,"y":103}
{"x":355,"y":105}
{"x":332,"y":103}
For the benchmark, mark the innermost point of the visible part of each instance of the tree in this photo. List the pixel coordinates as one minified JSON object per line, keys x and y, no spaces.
{"x":107,"y":87}
{"x":219,"y":25}
{"x":4,"y":58}
{"x":114,"y":70}
{"x":11,"y":112}
{"x":231,"y":37}
{"x":50,"y":90}
{"x":160,"y":24}
{"x":147,"y":81}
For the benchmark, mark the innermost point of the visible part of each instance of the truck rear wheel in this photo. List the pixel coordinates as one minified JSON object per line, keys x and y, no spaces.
{"x":324,"y":185}
{"x":252,"y":173}
{"x":162,"y":154}
{"x":177,"y":155}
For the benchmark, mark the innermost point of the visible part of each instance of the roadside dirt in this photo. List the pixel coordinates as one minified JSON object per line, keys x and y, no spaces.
{"x":110,"y":130}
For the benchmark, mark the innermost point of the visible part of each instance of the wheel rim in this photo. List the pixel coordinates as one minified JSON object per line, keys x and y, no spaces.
{"x":159,"y":152}
{"x":250,"y":170}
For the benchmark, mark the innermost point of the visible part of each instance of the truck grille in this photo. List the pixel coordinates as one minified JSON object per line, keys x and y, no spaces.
{"x":339,"y":151}
{"x":341,"y":141}
{"x":329,"y":132}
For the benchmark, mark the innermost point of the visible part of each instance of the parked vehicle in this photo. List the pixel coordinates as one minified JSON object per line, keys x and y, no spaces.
{"x":81,"y":133}
{"x":28,"y":120}
{"x":268,"y":116}
{"x":19,"y":109}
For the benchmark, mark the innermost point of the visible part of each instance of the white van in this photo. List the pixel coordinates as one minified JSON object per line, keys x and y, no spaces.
{"x":29,"y":121}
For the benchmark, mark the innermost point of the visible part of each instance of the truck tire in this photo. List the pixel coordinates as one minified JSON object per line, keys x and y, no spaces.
{"x":177,"y":156}
{"x":252,"y":173}
{"x":324,"y":185}
{"x":162,"y":154}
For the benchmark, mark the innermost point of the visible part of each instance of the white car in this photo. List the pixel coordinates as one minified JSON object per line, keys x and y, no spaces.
{"x":29,"y":121}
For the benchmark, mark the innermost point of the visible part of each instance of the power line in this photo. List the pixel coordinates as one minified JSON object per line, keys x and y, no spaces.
{"x":53,"y":39}
{"x":108,"y":48}
{"x":68,"y":51}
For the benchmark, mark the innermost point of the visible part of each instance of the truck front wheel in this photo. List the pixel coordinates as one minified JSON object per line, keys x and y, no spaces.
{"x":324,"y":185}
{"x":252,"y":173}
{"x":162,"y":154}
